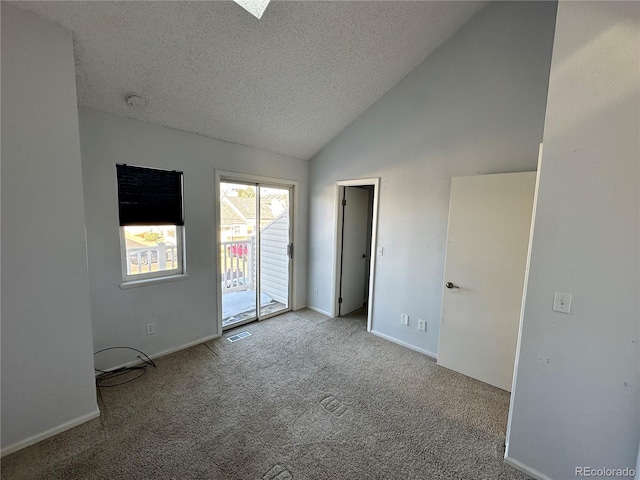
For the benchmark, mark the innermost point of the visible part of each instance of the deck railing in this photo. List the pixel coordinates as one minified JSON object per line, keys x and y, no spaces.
{"x":237,"y":260}
{"x":152,"y":259}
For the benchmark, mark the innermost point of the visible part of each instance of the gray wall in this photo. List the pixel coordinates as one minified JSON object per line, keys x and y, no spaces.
{"x":47,"y":363}
{"x":576,"y":395}
{"x":474,"y":106}
{"x":183,"y":311}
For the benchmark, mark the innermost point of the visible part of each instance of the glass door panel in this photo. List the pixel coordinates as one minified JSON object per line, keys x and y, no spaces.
{"x":238,"y":253}
{"x":275,"y":249}
{"x":255,"y":251}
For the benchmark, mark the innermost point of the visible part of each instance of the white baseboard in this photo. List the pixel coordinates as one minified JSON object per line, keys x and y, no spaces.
{"x":49,"y":433}
{"x":186,"y":345}
{"x":525,"y":468}
{"x":318,"y":311}
{"x":404,"y":344}
{"x":166,"y":352}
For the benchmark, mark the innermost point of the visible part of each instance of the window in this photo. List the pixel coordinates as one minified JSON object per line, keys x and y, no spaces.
{"x":151,"y":222}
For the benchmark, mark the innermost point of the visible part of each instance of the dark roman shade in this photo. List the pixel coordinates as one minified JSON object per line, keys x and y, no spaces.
{"x":149,"y":196}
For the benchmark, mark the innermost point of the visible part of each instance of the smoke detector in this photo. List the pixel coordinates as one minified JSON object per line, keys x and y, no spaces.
{"x":137,"y":102}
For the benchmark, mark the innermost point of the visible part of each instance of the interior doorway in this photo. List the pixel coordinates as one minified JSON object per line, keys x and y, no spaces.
{"x":356,"y":226}
{"x":255,"y":250}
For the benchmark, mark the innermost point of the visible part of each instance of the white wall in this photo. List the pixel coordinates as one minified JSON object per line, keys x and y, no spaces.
{"x":474,"y":106}
{"x":47,"y":361}
{"x":576,"y":393}
{"x":183,"y":311}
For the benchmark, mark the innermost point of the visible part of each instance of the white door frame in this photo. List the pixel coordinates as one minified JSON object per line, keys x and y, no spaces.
{"x":221,"y":176}
{"x":375,"y":182}
{"x":507,"y":458}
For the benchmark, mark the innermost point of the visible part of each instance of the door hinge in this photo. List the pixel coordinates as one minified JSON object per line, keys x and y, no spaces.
{"x":340,"y":300}
{"x":290,"y":250}
{"x":344,"y":202}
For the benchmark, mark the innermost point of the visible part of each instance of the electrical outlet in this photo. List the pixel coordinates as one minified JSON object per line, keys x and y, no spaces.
{"x":422,"y":325}
{"x":151,"y":328}
{"x":404,"y":319}
{"x":315,"y":291}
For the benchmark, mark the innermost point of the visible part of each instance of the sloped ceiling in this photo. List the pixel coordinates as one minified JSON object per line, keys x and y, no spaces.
{"x":288,"y":83}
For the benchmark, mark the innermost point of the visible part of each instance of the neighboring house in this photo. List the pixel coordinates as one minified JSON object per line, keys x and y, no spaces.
{"x":238,"y":214}
{"x":274,"y":260}
{"x":233,"y":223}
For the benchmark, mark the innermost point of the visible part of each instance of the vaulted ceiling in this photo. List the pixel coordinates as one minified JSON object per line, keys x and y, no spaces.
{"x":288,"y":83}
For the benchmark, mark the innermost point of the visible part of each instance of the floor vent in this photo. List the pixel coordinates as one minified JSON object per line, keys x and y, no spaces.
{"x":238,"y":336}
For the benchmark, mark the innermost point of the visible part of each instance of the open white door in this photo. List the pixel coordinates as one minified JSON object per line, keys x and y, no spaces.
{"x":355,"y":237}
{"x":487,"y":242}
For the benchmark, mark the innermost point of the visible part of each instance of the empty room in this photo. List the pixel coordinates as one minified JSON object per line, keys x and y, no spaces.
{"x":259,"y":239}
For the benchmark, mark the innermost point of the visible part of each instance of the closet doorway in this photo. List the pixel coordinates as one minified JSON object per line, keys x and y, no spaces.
{"x":355,"y":259}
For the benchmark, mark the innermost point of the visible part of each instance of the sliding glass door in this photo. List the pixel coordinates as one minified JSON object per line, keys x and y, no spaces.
{"x":255,"y":251}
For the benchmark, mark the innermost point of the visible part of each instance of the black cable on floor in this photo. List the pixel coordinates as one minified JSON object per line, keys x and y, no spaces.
{"x":109,"y":375}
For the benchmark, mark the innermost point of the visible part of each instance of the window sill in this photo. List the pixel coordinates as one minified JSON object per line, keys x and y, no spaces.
{"x":151,"y":281}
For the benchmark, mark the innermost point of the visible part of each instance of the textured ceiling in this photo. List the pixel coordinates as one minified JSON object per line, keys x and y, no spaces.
{"x":288,"y":83}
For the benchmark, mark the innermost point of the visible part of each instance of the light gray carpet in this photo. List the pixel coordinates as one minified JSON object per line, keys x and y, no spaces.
{"x":304,"y":397}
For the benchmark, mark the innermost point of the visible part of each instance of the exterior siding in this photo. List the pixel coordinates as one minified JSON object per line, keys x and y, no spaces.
{"x":274,"y":261}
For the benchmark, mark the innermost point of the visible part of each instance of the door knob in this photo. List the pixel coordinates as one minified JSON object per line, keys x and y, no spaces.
{"x":450,"y":285}
{"x":364,"y":255}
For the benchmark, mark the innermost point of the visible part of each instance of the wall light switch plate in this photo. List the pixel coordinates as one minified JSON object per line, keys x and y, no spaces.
{"x":380,"y":251}
{"x":562,"y":302}
{"x":404,"y":319}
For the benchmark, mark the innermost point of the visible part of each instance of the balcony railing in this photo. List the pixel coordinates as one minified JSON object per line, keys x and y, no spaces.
{"x":237,"y":260}
{"x":152,"y":259}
